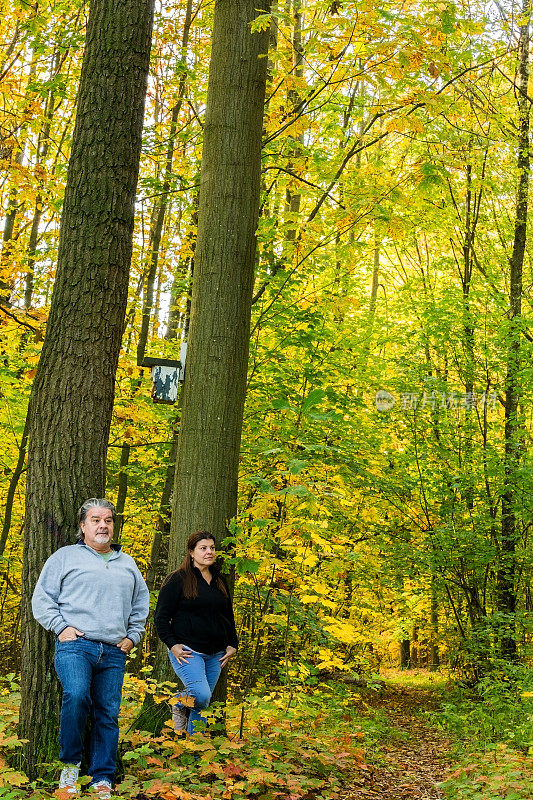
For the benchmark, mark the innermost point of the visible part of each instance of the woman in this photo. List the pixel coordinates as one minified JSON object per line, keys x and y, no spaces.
{"x":194,"y":618}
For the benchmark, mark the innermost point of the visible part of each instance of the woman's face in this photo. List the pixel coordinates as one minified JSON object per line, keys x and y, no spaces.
{"x":203,"y":554}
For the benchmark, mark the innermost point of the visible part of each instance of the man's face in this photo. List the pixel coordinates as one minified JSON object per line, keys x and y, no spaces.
{"x":98,"y":529}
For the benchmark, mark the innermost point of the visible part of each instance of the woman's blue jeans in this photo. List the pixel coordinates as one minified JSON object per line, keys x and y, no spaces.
{"x":199,"y":675}
{"x":91,"y":674}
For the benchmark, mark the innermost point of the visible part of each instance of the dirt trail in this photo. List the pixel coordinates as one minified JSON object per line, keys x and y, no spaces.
{"x":415,"y":760}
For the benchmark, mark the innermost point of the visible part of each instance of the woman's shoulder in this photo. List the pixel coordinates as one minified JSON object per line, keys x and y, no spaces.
{"x":174,"y":578}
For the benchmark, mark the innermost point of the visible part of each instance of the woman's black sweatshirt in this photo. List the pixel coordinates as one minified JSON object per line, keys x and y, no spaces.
{"x":204,"y":623}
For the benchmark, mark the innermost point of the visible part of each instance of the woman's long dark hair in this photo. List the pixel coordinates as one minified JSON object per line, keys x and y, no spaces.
{"x":186,"y":571}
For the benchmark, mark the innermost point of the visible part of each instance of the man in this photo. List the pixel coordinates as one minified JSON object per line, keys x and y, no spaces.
{"x":93,"y":597}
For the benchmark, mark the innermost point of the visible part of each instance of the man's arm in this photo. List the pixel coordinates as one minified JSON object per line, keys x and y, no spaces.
{"x":45,"y":597}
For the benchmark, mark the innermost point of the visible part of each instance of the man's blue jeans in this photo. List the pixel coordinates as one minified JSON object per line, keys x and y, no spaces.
{"x":199,"y":676}
{"x":91,"y":674}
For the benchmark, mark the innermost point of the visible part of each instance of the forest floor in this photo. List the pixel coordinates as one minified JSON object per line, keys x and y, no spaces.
{"x":414,"y":757}
{"x":335,"y":741}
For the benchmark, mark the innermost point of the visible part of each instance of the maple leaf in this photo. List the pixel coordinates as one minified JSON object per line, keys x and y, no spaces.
{"x":62,"y":794}
{"x":155,"y":786}
{"x":184,"y":699}
{"x":233,"y":771}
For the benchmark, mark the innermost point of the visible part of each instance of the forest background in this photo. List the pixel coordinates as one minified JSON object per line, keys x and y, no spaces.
{"x":385,"y":469}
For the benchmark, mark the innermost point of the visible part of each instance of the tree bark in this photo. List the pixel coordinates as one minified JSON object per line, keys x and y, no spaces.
{"x":205,"y":493}
{"x":122,"y":492}
{"x":73,"y":392}
{"x":506,"y":589}
{"x":434,"y":657}
{"x":43,"y":146}
{"x":205,"y":490}
{"x":14,"y":205}
{"x":13,"y":483}
{"x":405,"y":654}
{"x":178,"y":319}
{"x":293,"y":199}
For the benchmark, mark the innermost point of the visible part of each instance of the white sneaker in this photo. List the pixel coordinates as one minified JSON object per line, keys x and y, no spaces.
{"x":180,"y":717}
{"x":68,"y":778}
{"x":102,"y":789}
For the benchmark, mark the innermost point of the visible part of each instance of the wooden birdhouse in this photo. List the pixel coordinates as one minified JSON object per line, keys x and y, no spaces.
{"x":167,"y":373}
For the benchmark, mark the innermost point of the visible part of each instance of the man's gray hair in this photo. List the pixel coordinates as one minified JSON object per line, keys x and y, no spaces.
{"x":93,"y":502}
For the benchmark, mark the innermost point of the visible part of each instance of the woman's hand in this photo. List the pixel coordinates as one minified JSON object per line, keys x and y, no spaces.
{"x":181,"y":654}
{"x":230,"y":652}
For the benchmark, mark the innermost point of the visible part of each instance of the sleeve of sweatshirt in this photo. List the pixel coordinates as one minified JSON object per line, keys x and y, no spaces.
{"x":234,"y":639}
{"x":140,"y":606}
{"x":44,"y":601}
{"x":167,"y":603}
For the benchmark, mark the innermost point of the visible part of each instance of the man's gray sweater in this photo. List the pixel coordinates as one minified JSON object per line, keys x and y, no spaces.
{"x":107,"y":600}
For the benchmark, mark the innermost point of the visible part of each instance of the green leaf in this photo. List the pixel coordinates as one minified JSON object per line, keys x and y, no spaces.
{"x":261,"y":23}
{"x":281,"y":404}
{"x":246,"y":565}
{"x":313,"y":399}
{"x":448,"y":22}
{"x":296,"y":466}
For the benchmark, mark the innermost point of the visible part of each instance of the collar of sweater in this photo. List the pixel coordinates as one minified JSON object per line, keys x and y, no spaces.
{"x":213,"y":569}
{"x":115,"y":547}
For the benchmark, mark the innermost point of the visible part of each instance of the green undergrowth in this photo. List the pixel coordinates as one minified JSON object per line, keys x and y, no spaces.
{"x":490,"y":729}
{"x":317,"y":743}
{"x":314,"y":743}
{"x":500,"y":773}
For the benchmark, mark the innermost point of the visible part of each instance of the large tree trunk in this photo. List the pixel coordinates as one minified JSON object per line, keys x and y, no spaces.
{"x":506,"y":589}
{"x":205,"y":495}
{"x":205,"y":490}
{"x":74,"y":387}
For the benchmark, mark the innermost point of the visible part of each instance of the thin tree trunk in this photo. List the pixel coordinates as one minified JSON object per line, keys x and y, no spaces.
{"x":152,"y":715}
{"x":185,"y":272}
{"x":434,"y":657}
{"x":405,"y":654}
{"x":43,"y":145}
{"x":13,"y":483}
{"x":14,"y":206}
{"x":8,"y":240}
{"x":468,"y":335}
{"x":506,"y":589}
{"x":293,"y":198}
{"x":72,"y":397}
{"x":122,"y":492}
{"x":161,"y":202}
